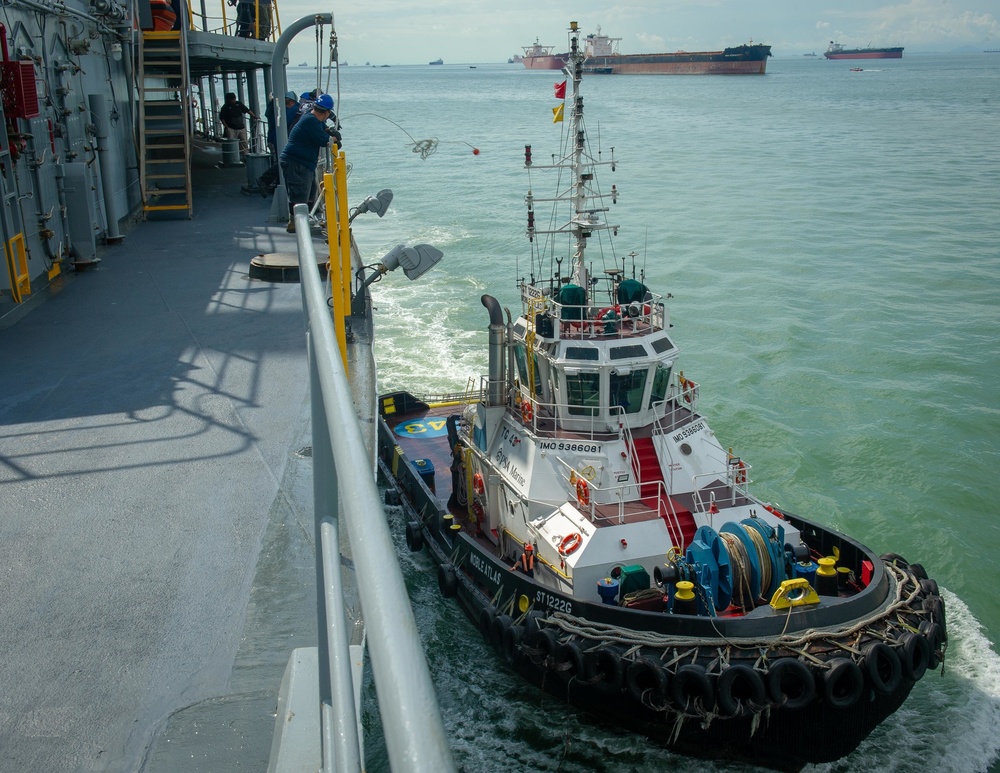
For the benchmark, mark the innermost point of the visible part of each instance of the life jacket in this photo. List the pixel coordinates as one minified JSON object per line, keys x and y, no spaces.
{"x":528,"y":562}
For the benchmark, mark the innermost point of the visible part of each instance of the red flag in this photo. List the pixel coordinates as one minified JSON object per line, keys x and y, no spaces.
{"x":561,"y":90}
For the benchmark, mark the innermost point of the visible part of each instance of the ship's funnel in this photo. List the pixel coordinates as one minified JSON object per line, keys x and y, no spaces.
{"x":497,"y":381}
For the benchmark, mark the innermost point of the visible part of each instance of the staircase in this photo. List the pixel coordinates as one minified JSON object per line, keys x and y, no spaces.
{"x":164,"y":131}
{"x":649,"y":475}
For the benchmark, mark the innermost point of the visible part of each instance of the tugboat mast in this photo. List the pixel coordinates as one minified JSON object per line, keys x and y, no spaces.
{"x":581,"y":216}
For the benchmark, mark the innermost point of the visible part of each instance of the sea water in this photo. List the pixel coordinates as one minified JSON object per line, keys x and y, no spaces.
{"x":832,"y":242}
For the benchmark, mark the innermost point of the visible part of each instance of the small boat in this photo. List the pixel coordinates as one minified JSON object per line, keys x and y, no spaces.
{"x":303,"y":64}
{"x":609,"y":547}
{"x":857,"y":69}
{"x":437,"y":61}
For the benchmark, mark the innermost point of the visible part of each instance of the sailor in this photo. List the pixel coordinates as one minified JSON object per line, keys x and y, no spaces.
{"x":300,"y":155}
{"x":231,"y":114}
{"x":526,"y":562}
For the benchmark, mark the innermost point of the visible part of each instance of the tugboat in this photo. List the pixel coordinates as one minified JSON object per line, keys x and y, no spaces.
{"x":612,"y":550}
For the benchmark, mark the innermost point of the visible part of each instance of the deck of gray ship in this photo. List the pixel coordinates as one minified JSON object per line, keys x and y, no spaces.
{"x":155,"y":481}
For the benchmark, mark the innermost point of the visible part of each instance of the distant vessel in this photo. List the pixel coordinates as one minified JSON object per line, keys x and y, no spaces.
{"x":516,"y":59}
{"x":812,"y":53}
{"x":601,"y":57}
{"x":837,"y":51}
{"x":437,"y":61}
{"x":539,"y":57}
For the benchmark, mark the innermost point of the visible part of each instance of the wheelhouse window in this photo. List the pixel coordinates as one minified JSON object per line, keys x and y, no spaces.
{"x":661,"y":383}
{"x":627,"y":389}
{"x":583,"y":393}
{"x":521,"y":358}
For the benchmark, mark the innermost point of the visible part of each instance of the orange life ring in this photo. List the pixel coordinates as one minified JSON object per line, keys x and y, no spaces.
{"x":582,"y":492}
{"x":741,"y":472}
{"x":527,"y":413}
{"x":570,"y":543}
{"x":689,"y":386}
{"x":478,"y":486}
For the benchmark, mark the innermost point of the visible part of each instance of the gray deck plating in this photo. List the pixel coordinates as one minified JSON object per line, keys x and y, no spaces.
{"x":155,"y":538}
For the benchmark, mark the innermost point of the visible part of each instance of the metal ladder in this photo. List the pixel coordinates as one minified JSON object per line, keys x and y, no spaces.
{"x":164,"y":117}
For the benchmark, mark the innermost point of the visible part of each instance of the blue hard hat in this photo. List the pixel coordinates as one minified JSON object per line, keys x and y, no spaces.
{"x":305,"y":96}
{"x":324,"y":102}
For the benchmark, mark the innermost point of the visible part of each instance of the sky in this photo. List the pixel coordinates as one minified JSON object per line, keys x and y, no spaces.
{"x":481,"y":31}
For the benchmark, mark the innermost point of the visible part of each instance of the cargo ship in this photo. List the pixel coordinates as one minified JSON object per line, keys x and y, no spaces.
{"x":601,"y":57}
{"x":539,"y":57}
{"x":837,"y":51}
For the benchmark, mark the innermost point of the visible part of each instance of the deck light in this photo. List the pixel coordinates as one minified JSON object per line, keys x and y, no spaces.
{"x":376,"y":204}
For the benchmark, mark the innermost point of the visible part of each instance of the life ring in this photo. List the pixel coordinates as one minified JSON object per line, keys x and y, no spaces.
{"x":791,"y":684}
{"x":447,"y":581}
{"x":646,"y":682}
{"x":843,"y":683}
{"x":478,"y":485}
{"x":741,"y":472}
{"x":689,"y":387}
{"x":582,"y":492}
{"x":915,"y":655}
{"x":882,"y":665}
{"x":603,"y":667}
{"x":690,"y":686}
{"x":740,"y":691}
{"x":570,"y":543}
{"x":527,"y":412}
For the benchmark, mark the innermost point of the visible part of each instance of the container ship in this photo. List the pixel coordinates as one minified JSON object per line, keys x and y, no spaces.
{"x":837,"y":51}
{"x":603,"y":58}
{"x":539,"y":57}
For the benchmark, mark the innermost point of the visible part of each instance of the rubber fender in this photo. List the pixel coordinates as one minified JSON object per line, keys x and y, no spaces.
{"x":739,"y":690}
{"x":498,"y":628}
{"x":447,"y":581}
{"x":531,"y":624}
{"x":391,"y":497}
{"x":569,"y":659}
{"x":646,"y":681}
{"x":918,"y":571}
{"x":486,"y":615}
{"x":689,"y":686}
{"x":791,"y":684}
{"x":603,"y":665}
{"x":545,"y":641}
{"x":414,"y":536}
{"x":934,"y":606}
{"x":929,"y":588}
{"x":935,"y":639}
{"x":843,"y":683}
{"x":882,"y":666}
{"x":892,"y":558}
{"x":914,"y":655}
{"x":512,"y":652}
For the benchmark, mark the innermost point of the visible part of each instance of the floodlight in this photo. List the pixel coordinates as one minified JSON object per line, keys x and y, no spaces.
{"x":376,"y":204}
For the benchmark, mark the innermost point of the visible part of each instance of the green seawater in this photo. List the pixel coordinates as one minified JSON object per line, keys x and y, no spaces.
{"x":832,"y":242}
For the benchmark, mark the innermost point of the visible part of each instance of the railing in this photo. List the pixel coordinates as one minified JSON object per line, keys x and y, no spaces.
{"x":242,"y":18}
{"x":414,"y":732}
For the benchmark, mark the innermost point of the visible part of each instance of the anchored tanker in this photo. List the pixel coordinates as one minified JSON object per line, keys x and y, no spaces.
{"x":601,"y":57}
{"x":837,"y":51}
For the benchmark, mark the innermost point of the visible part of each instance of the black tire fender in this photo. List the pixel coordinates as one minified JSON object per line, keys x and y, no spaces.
{"x":545,"y":642}
{"x":791,"y":684}
{"x":918,"y":571}
{"x":569,"y":659}
{"x":843,"y":683}
{"x":646,"y":681}
{"x":929,"y":588}
{"x":914,"y":655}
{"x":414,"y":536}
{"x":934,"y":606}
{"x":882,"y":667}
{"x":447,"y":580}
{"x":603,"y":665}
{"x":895,"y":560}
{"x":689,"y":685}
{"x":935,"y":640}
{"x":486,"y":615}
{"x":498,"y":629}
{"x":739,"y":690}
{"x":512,"y":652}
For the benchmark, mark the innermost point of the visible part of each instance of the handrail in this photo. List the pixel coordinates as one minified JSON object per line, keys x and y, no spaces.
{"x":414,"y":731}
{"x":260,"y":19}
